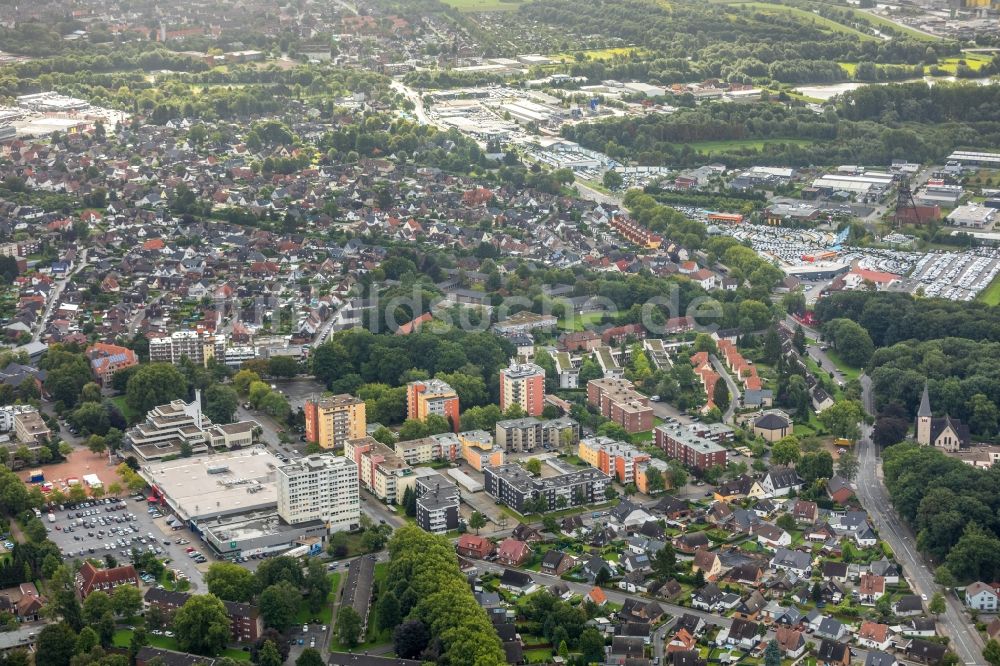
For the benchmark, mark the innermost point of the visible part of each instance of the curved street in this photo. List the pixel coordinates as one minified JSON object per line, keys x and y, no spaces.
{"x":874,"y":498}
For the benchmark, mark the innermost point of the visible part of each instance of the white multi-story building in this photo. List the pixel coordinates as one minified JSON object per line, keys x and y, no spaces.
{"x":199,"y":347}
{"x":320,"y":487}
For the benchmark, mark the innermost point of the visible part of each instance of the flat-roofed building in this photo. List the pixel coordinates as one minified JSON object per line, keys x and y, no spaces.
{"x":437,"y":503}
{"x":199,"y":347}
{"x":382,"y":472}
{"x":618,"y":400}
{"x":479,"y":450}
{"x":523,"y":385}
{"x":445,"y":446}
{"x":692,"y":450}
{"x":320,"y":487}
{"x":514,"y":486}
{"x":332,"y":420}
{"x":432,"y":396}
{"x":29,"y":428}
{"x":518,"y":435}
{"x":180,"y":427}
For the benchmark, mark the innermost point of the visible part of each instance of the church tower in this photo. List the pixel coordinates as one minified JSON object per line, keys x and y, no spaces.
{"x":923,"y":426}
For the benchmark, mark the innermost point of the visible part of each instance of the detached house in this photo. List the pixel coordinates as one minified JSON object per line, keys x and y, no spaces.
{"x":832,"y":653}
{"x":794,"y":561}
{"x":513,"y":553}
{"x":981,"y":597}
{"x":779,"y":481}
{"x":708,"y":563}
{"x":870,"y":589}
{"x":874,"y":635}
{"x":791,"y":641}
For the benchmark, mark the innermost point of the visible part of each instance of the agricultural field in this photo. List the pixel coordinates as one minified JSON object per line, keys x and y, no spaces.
{"x":601,"y":54}
{"x":974,"y":61}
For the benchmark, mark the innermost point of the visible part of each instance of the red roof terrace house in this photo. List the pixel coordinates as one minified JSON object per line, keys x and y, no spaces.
{"x":91,"y":579}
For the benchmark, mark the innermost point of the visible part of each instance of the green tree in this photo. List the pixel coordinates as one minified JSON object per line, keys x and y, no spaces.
{"x":230,"y":582}
{"x":818,"y":465}
{"x":991,"y":653}
{"x":477,"y":521}
{"x":268,"y":655}
{"x":278,"y":605}
{"x":86,"y":641}
{"x":847,"y":465}
{"x":589,"y":370}
{"x":534,"y":465}
{"x":154,"y":384}
{"x":55,"y":645}
{"x":309,"y":657}
{"x":591,"y":646}
{"x":665,"y":562}
{"x":283,"y":366}
{"x":220,"y":402}
{"x":786,"y":451}
{"x":201,"y":625}
{"x":937,"y":604}
{"x":243,"y":379}
{"x":842,"y":418}
{"x":388,"y":611}
{"x":317,"y":585}
{"x":720,"y":395}
{"x":126,"y":600}
{"x":348,"y":626}
{"x":772,"y":654}
{"x":612,"y":179}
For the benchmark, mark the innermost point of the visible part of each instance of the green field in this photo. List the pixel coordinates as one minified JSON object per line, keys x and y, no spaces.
{"x":578,"y":322}
{"x":974,"y":61}
{"x":886,"y":23}
{"x":123,"y":637}
{"x":991,"y":295}
{"x":806,"y":16}
{"x":710,"y":147}
{"x":123,"y":407}
{"x":485,"y":5}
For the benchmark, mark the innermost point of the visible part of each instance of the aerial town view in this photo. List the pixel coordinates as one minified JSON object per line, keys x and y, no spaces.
{"x":486,"y":332}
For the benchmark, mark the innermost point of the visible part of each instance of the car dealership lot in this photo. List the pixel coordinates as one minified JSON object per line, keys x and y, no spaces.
{"x":115,"y":527}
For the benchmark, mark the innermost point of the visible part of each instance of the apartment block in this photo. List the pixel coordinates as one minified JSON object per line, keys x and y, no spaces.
{"x":693,"y":451}
{"x":519,"y":435}
{"x":432,"y":396}
{"x":332,"y":420}
{"x":380,"y":470}
{"x":320,"y":487}
{"x":445,"y":446}
{"x":479,"y":450}
{"x":29,"y":428}
{"x":245,"y":623}
{"x":612,"y":457}
{"x":618,"y":400}
{"x":199,"y":347}
{"x":514,"y":486}
{"x":523,"y":385}
{"x":437,"y":504}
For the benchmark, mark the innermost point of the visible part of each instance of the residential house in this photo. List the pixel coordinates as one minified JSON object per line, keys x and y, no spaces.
{"x":791,"y":641}
{"x":597,"y":596}
{"x":477,"y":547}
{"x":708,"y":563}
{"x":874,"y":635}
{"x":513,"y":553}
{"x":871,"y":588}
{"x":690,"y":542}
{"x":908,"y":605}
{"x":805,"y":512}
{"x":779,"y":481}
{"x":925,"y":651}
{"x":981,"y":597}
{"x":517,"y":582}
{"x":833,"y":653}
{"x":795,"y":561}
{"x":877,"y":658}
{"x":772,"y":536}
{"x":556,"y":562}
{"x":741,"y":634}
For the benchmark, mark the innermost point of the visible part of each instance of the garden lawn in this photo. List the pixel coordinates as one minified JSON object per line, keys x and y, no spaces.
{"x":325,"y":614}
{"x":123,"y":637}
{"x":991,"y":295}
{"x":130,"y":415}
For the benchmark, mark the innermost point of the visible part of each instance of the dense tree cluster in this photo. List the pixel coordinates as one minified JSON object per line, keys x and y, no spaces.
{"x":953,"y":508}
{"x":434,"y":594}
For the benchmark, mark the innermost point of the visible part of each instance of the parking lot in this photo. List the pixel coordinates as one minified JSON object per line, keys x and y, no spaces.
{"x":115,"y":527}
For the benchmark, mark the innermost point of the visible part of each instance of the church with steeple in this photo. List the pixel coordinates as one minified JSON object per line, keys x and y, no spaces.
{"x":943,"y":432}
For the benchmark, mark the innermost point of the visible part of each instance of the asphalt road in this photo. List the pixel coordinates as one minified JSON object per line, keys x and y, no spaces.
{"x":734,"y":390}
{"x":875,"y":500}
{"x":55,"y":295}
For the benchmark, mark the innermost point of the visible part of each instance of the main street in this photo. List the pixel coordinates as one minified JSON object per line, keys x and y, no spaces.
{"x":875,"y":500}
{"x":54,"y":297}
